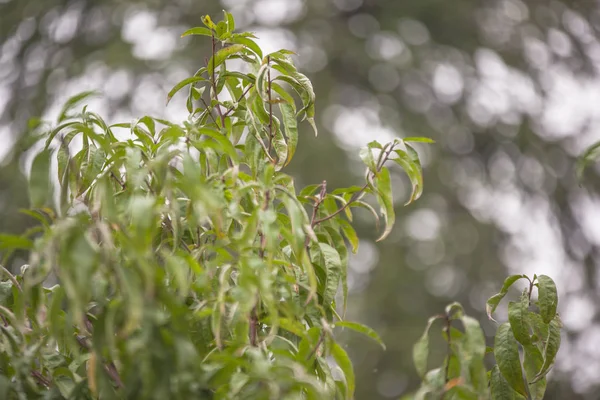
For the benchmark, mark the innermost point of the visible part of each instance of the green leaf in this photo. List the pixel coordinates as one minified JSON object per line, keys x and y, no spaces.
{"x":249,"y":43}
{"x":384,"y":193}
{"x":73,"y":102}
{"x":333,"y":269}
{"x":418,"y":139}
{"x":291,"y":129}
{"x":208,"y":22}
{"x":532,"y":362}
{"x":474,"y":339}
{"x":551,"y":348}
{"x":360,"y":328}
{"x":366,"y":156}
{"x":198,"y":31}
{"x":182,"y":84}
{"x":229,"y":20}
{"x":14,"y":242}
{"x":220,"y":138}
{"x":343,"y":361}
{"x":500,"y":389}
{"x":548,"y":297}
{"x":517,"y":316}
{"x":39,"y":180}
{"x":350,"y":234}
{"x":589,"y":156}
{"x":409,"y":161}
{"x":493,"y":301}
{"x":221,"y":55}
{"x":421,"y":348}
{"x":506,"y":352}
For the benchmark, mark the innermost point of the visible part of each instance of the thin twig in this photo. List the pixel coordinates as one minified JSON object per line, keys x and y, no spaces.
{"x":209,"y":111}
{"x":41,"y":379}
{"x":238,"y":100}
{"x":319,"y":342}
{"x":270,"y":107}
{"x":449,"y":348}
{"x":123,"y":186}
{"x":382,"y":160}
{"x":214,"y":82}
{"x":11,"y":277}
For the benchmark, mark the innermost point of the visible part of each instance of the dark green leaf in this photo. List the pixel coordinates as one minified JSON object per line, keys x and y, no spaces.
{"x":506,"y":352}
{"x":548,"y":298}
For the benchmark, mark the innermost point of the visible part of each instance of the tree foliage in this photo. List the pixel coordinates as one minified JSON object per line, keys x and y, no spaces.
{"x":177,"y":260}
{"x":533,"y":330}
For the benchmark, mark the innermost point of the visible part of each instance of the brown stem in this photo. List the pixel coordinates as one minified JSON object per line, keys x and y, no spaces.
{"x":319,"y":342}
{"x":382,"y":160}
{"x":41,"y":379}
{"x":449,"y":348}
{"x":253,"y":330}
{"x":112,"y":174}
{"x":315,"y":210}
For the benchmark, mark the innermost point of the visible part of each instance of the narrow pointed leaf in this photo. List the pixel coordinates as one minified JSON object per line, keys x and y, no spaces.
{"x":384,"y":192}
{"x":360,"y":328}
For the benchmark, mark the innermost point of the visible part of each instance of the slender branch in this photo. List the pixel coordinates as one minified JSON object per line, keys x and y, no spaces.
{"x":355,"y":196}
{"x":11,"y":277}
{"x":41,"y":379}
{"x":123,"y":186}
{"x":315,"y":210}
{"x":449,"y":348}
{"x":214,"y":82}
{"x":209,"y":111}
{"x":319,"y":343}
{"x":383,"y":157}
{"x":253,"y":322}
{"x":270,"y":107}
{"x":229,"y":110}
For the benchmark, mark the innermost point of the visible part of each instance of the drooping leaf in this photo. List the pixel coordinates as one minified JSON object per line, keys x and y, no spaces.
{"x":360,"y":328}
{"x":532,"y":362}
{"x":333,"y":269}
{"x":421,"y":348}
{"x":291,"y":129}
{"x":506,"y":352}
{"x":198,"y":31}
{"x":187,"y":81}
{"x":343,"y":361}
{"x":551,"y":348}
{"x":384,"y":194}
{"x":500,"y":388}
{"x":493,"y":301}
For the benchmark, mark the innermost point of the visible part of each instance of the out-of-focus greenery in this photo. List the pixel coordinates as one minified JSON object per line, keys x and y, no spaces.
{"x":506,"y":88}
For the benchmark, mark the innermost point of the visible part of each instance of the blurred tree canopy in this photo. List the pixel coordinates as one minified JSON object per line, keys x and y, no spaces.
{"x":508,"y":89}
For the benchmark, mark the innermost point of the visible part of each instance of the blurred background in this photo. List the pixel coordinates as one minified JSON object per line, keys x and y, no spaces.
{"x":510,"y":91}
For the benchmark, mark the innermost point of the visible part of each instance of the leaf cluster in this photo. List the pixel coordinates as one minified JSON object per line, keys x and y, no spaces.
{"x":524,"y":350}
{"x":177,"y":260}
